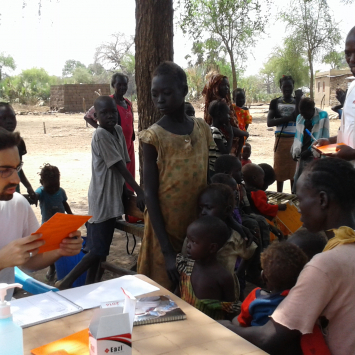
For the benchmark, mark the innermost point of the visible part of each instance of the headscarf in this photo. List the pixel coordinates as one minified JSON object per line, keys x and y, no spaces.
{"x":211,"y":93}
{"x":342,"y":235}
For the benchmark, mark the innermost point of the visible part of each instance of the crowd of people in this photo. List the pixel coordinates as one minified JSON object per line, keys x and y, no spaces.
{"x":206,"y":213}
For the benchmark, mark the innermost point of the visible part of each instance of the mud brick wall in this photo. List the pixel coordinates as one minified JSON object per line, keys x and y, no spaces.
{"x":69,"y":97}
{"x":337,"y":82}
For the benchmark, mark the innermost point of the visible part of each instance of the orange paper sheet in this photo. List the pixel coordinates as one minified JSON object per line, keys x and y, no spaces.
{"x":57,"y":228}
{"x":75,"y":344}
{"x":328,"y":149}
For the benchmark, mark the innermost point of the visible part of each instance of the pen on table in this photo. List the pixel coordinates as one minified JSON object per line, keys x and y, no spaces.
{"x":311,"y":135}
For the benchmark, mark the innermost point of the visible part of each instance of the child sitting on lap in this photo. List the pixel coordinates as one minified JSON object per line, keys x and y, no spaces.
{"x":281,"y":263}
{"x":204,"y":282}
{"x":52,"y":199}
{"x":310,"y":243}
{"x":253,"y":176}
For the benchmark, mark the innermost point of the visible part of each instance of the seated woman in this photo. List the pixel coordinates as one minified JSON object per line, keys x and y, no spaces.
{"x":323,"y":295}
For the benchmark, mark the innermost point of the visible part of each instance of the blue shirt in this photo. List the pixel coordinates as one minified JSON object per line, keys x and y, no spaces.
{"x":51,"y":204}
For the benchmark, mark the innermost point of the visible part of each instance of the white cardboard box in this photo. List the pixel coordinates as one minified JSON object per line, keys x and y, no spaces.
{"x":110,"y":330}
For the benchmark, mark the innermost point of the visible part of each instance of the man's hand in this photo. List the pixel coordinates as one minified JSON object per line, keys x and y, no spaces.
{"x":170,"y":263}
{"x":17,"y":252}
{"x":344,"y":152}
{"x":320,"y":142}
{"x":140,"y":200}
{"x":71,"y":245}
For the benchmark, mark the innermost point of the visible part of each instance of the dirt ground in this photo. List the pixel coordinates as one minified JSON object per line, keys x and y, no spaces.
{"x":66,"y":145}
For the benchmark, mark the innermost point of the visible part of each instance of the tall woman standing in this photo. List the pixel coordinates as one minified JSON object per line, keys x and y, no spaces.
{"x":119,"y":82}
{"x":282,"y":115}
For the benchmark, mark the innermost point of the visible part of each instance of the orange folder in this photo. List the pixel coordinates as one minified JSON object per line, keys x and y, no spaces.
{"x":57,"y":228}
{"x":328,"y":149}
{"x":75,"y":344}
{"x":290,"y":218}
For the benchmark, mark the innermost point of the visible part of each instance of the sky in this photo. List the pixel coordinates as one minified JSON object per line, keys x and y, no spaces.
{"x":72,"y":29}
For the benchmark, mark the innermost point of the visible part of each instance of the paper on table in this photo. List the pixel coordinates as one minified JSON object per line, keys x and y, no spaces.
{"x":57,"y":228}
{"x":41,"y":308}
{"x":75,"y":344}
{"x":91,"y":296}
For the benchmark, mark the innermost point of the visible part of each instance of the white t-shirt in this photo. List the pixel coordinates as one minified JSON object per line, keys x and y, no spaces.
{"x":346,"y":132}
{"x":325,"y":288}
{"x":17,"y":220}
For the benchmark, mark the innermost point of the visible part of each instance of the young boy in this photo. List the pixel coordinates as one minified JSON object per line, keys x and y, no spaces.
{"x":253,"y":176}
{"x":281,"y":263}
{"x":219,"y":111}
{"x":242,"y":112}
{"x":109,"y":173}
{"x":9,"y":122}
{"x":52,"y":199}
{"x":317,"y":122}
{"x":246,"y":152}
{"x":204,"y":282}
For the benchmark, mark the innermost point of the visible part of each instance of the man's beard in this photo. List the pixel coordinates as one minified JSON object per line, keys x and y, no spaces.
{"x":4,"y":196}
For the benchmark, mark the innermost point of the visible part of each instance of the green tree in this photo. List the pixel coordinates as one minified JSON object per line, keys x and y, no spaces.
{"x":234,"y":24}
{"x":70,"y":66}
{"x":6,"y":61}
{"x":82,"y":76}
{"x":312,"y":29}
{"x":335,"y":59}
{"x":289,"y":60}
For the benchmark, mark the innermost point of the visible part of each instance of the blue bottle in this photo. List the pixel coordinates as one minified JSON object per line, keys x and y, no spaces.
{"x":11,"y":334}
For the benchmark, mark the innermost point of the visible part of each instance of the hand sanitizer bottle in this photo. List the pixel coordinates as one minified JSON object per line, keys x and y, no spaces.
{"x":11,"y":337}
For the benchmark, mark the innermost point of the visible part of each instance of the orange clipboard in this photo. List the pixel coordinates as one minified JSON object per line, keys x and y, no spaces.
{"x":75,"y":344}
{"x":328,"y":149}
{"x":57,"y":228}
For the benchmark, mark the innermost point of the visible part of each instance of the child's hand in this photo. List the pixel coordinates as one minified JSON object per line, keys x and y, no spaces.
{"x":170,"y":263}
{"x":141,"y":200}
{"x":282,"y":207}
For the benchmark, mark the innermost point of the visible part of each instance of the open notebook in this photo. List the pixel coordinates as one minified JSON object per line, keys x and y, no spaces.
{"x":48,"y":306}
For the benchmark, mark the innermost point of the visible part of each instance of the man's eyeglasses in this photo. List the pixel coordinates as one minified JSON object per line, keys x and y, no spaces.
{"x":6,"y":172}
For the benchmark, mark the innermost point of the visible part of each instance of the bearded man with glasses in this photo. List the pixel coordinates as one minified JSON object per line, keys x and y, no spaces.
{"x":17,"y":220}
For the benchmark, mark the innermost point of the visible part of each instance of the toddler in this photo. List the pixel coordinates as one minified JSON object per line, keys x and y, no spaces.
{"x":189,"y":109}
{"x":246,"y":152}
{"x":281,"y":263}
{"x":253,"y":176}
{"x":219,"y":111}
{"x":310,"y":243}
{"x":52,"y":199}
{"x":242,"y":112}
{"x":204,"y":282}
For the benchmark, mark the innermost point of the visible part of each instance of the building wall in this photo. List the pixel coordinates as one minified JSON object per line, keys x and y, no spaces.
{"x":337,"y":82}
{"x":322,"y":88}
{"x":69,"y":97}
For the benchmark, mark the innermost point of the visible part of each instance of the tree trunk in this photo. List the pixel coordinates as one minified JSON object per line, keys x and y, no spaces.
{"x":311,"y":83}
{"x":154,"y":44}
{"x":231,"y":57}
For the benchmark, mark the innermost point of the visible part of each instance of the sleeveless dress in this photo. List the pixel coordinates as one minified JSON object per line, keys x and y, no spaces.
{"x":126,"y":115}
{"x":182,"y":163}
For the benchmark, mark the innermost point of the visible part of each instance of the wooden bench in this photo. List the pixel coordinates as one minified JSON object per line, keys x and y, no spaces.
{"x":136,"y":229}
